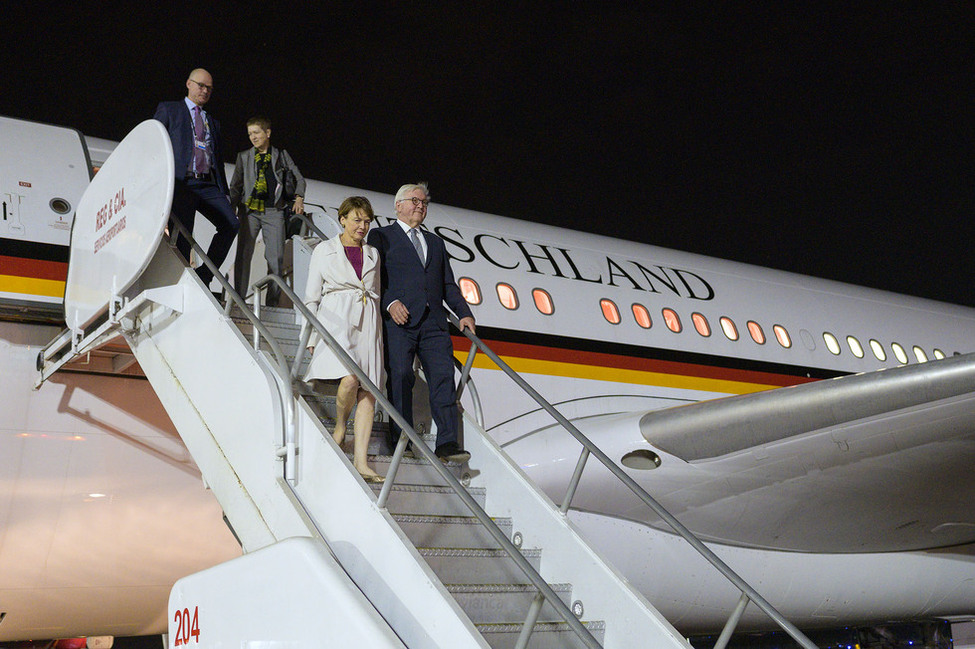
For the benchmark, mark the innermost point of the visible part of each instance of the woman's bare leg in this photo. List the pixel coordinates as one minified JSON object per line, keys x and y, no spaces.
{"x":344,"y":399}
{"x":363,"y":430}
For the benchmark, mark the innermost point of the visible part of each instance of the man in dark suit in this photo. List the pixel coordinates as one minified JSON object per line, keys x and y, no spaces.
{"x":416,"y":281}
{"x":201,"y":183}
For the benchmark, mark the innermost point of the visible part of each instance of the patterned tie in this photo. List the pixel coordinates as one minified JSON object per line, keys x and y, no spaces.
{"x":199,"y":155}
{"x":415,"y":235}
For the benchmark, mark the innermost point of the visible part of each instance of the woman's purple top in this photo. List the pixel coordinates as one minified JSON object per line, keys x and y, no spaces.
{"x":354,"y":253}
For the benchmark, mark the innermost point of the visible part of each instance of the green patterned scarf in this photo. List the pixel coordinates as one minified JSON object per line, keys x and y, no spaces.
{"x":259,"y":195}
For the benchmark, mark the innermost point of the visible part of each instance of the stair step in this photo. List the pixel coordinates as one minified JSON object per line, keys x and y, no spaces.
{"x":450,"y":531}
{"x":427,"y":499}
{"x":478,"y":566}
{"x":505,"y":603}
{"x":546,"y":635}
{"x":269,"y":314}
{"x":417,"y":470}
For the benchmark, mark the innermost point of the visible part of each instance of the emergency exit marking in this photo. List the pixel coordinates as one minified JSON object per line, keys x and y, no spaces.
{"x":185,"y":628}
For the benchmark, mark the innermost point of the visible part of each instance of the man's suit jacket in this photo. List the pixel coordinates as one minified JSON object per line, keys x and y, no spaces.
{"x":416,"y":286}
{"x":176,"y":118}
{"x":245,"y":175}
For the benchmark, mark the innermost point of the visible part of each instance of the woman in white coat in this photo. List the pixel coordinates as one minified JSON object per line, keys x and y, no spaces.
{"x":343,"y":292}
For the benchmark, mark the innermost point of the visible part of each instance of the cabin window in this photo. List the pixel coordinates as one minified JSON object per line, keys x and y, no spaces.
{"x":642,"y":316}
{"x":920,"y":355}
{"x":507,"y":296}
{"x":832,"y":344}
{"x":878,"y":350}
{"x":782,"y":336}
{"x":855,"y":346}
{"x":610,"y":312}
{"x":729,"y":328}
{"x":672,"y":320}
{"x":701,"y":324}
{"x":470,"y":290}
{"x":938,"y":353}
{"x":756,"y":332}
{"x":899,"y":353}
{"x":543,"y":301}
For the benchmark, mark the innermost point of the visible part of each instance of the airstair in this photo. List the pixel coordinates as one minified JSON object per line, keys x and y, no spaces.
{"x":470,"y":555}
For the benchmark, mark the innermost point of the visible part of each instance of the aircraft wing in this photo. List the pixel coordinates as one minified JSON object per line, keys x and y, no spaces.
{"x":873,"y":462}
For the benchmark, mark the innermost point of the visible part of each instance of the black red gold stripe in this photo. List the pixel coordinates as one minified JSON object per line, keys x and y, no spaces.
{"x":603,"y":361}
{"x":32,"y":268}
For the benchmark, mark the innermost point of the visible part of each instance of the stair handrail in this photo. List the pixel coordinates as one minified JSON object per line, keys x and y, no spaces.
{"x":310,"y":223}
{"x":419,"y":446}
{"x":589,"y":448}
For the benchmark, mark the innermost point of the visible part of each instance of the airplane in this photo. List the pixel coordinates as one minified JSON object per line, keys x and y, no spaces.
{"x":817,"y":435}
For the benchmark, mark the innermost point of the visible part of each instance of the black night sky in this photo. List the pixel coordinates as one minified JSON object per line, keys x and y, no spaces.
{"x":834,"y":143}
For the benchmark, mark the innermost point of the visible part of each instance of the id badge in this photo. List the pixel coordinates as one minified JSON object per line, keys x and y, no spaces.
{"x":201,"y":144}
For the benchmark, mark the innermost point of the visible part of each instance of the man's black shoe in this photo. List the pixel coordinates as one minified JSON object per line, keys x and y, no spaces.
{"x":452,"y":452}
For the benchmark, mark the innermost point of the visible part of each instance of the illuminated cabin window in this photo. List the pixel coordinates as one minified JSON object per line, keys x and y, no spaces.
{"x":610,"y":312}
{"x":701,"y":324}
{"x":782,"y":336}
{"x":672,"y":320}
{"x":543,"y":301}
{"x":470,"y":290}
{"x":938,"y":353}
{"x":642,"y":316}
{"x":878,"y":350}
{"x":855,"y":346}
{"x":832,"y":344}
{"x":920,"y":355}
{"x":507,"y":296}
{"x":729,"y":328}
{"x":755,"y":330}
{"x":899,"y":353}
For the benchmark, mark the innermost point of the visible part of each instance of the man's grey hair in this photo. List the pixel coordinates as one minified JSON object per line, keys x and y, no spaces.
{"x":406,"y":189}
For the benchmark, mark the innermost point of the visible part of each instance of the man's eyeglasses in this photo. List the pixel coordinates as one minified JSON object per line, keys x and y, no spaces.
{"x":202,"y":85}
{"x":417,"y":202}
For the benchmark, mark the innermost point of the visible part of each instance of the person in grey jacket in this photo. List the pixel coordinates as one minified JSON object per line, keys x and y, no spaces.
{"x":264,"y":176}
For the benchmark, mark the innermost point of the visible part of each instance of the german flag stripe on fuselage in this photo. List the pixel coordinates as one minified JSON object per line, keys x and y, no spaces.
{"x":551,"y":355}
{"x":32,"y":268}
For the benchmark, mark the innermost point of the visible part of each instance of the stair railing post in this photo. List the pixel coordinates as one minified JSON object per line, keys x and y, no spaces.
{"x":391,"y":472}
{"x":257,"y":313}
{"x":300,"y":353}
{"x":466,"y":372}
{"x":732,"y":623}
{"x":570,"y":490}
{"x":529,"y":626}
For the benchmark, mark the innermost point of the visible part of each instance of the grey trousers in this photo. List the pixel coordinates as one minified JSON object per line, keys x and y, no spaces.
{"x":271,"y":223}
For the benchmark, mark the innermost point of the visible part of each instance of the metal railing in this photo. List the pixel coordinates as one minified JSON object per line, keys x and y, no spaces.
{"x":309,"y":223}
{"x":589,"y":449}
{"x":409,"y":434}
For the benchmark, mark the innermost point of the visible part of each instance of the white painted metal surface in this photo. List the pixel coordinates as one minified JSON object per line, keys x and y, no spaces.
{"x":119,"y":221}
{"x":290,"y":595}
